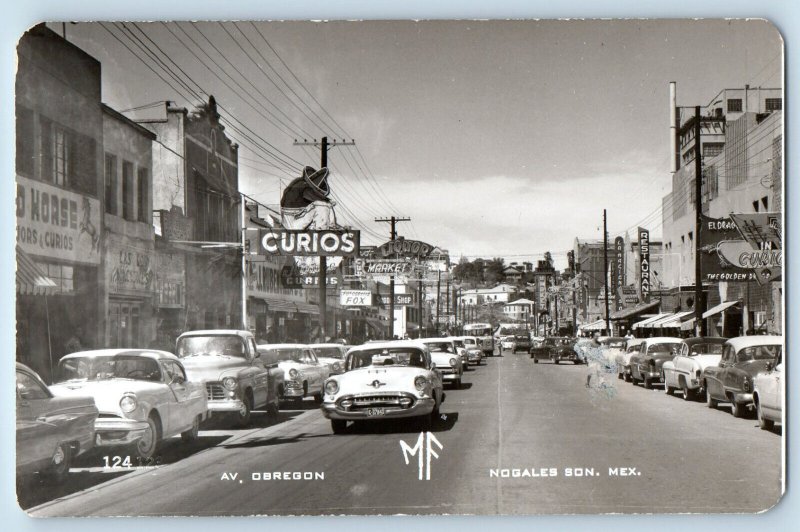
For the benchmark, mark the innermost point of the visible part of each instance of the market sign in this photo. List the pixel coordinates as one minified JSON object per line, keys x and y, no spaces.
{"x":355,"y":298}
{"x":403,"y":248}
{"x":309,"y":243}
{"x":56,"y":223}
{"x":372,"y":267}
{"x":644,"y":264}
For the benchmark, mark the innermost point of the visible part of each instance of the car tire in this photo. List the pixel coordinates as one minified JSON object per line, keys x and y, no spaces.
{"x":457,"y":383}
{"x":763,"y":422}
{"x":688,"y":395}
{"x":58,"y":470}
{"x":535,"y":360}
{"x":556,"y":361}
{"x":669,"y":390}
{"x":648,"y":384}
{"x":710,"y":401}
{"x":147,"y":445}
{"x":244,"y":416}
{"x":339,"y":426}
{"x":193,"y":433}
{"x":737,"y":409}
{"x":272,"y":411}
{"x":318,"y":398}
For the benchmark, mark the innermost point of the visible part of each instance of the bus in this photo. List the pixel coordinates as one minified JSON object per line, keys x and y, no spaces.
{"x":483,"y":331}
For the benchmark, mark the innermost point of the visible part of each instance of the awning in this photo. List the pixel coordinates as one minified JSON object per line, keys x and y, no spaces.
{"x":643,"y":323}
{"x":633,"y":311}
{"x":675,"y":319}
{"x":719,"y":308}
{"x":599,"y":325}
{"x":688,"y":325}
{"x":30,"y":279}
{"x":276,"y":304}
{"x":657,"y":323}
{"x":307,"y":308}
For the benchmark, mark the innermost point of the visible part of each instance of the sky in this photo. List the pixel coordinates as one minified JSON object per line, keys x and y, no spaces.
{"x":497,"y":138}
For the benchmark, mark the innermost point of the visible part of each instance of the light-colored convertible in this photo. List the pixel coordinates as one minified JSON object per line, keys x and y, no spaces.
{"x":143,"y":396}
{"x":684,"y":372}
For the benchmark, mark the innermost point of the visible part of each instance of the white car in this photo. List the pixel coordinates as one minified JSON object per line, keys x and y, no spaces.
{"x":304,"y":375}
{"x":448,"y":362}
{"x":458,"y":341}
{"x":768,"y":395}
{"x":507,"y":343}
{"x":332,"y":355}
{"x":143,"y":396}
{"x":384,"y":380}
{"x":623,"y":359}
{"x":684,"y":372}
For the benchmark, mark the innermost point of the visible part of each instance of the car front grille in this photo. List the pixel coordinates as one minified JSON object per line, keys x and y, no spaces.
{"x":387,"y":400}
{"x":215,"y":391}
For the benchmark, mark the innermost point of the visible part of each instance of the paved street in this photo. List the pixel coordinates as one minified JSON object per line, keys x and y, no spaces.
{"x":510,"y":414}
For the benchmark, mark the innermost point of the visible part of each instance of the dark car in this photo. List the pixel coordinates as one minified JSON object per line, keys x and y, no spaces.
{"x":731,"y":381}
{"x":522,"y":342}
{"x":653,"y":352}
{"x":555,"y":349}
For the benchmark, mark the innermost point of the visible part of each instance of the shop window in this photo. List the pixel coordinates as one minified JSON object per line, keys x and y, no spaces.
{"x":60,"y":274}
{"x":127,"y":190}
{"x":142,"y":203}
{"x":112,"y":184}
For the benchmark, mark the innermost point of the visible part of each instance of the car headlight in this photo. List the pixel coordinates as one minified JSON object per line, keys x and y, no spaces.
{"x":230,"y":383}
{"x":420,"y":382}
{"x":128,"y":403}
{"x":746,"y":384}
{"x":293,"y":373}
{"x":331,"y":387}
{"x":453,"y":362}
{"x":337,"y":366}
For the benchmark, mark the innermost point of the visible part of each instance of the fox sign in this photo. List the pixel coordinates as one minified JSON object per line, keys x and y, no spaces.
{"x":355,"y":298}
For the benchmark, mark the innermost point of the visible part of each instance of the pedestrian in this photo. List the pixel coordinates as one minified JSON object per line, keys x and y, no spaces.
{"x":74,"y":344}
{"x":592,"y":356}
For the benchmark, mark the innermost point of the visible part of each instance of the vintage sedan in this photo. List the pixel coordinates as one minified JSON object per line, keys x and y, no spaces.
{"x":685,"y":370}
{"x":236,"y":380}
{"x":332,"y":355}
{"x":743,"y":359}
{"x":383,"y":381}
{"x":522,"y":342}
{"x":653,"y":352}
{"x":448,"y":363}
{"x":508,"y":343}
{"x":143,"y":396}
{"x":623,"y":359}
{"x":51,"y":430}
{"x":555,"y":349}
{"x":304,"y":374}
{"x":768,"y":395}
{"x":472,"y":344}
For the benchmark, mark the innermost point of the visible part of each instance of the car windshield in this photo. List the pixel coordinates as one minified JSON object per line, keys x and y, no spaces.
{"x":633,"y":348}
{"x":440,"y":347}
{"x":458,"y":343}
{"x":282,"y":354}
{"x":230,"y":345}
{"x":521,"y":337}
{"x":706,"y":349}
{"x":759,"y":352}
{"x":108,"y":367}
{"x":328,"y":352}
{"x":399,"y":356}
{"x":665,"y":348}
{"x":470,"y":341}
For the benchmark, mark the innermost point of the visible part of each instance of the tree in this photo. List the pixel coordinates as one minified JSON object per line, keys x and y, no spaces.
{"x":494,"y":271}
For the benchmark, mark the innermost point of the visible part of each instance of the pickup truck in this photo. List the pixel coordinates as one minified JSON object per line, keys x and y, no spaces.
{"x":237,"y":381}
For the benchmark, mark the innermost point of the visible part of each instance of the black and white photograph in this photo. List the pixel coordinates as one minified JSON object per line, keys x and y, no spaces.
{"x":399,"y":267}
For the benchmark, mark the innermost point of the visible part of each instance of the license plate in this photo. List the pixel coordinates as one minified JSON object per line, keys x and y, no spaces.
{"x":372,"y":412}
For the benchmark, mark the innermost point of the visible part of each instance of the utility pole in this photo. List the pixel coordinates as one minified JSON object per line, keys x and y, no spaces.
{"x":392,"y":236}
{"x":323,"y":262}
{"x":419,"y":304}
{"x":699,"y":299}
{"x":438,"y":301}
{"x":605,"y":268}
{"x":447,"y":301}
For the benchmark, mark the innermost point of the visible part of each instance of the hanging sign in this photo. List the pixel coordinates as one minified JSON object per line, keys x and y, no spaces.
{"x":355,"y":298}
{"x":644,"y":264}
{"x":403,"y":248}
{"x":305,"y":243}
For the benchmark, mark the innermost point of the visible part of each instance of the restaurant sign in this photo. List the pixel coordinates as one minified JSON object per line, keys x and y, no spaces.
{"x":644,"y":264}
{"x":56,"y":223}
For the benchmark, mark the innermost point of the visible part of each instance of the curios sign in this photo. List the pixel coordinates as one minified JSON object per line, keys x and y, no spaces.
{"x":309,"y":243}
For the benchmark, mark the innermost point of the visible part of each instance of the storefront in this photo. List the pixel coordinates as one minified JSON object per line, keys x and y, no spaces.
{"x":170,"y":295}
{"x":131,"y":288}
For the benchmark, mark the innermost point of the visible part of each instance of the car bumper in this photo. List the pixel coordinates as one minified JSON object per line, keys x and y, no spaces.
{"x":450,"y":376}
{"x":743,"y":397}
{"x":110,"y":432}
{"x":477,"y":357}
{"x":421,"y":407}
{"x":292,"y":390}
{"x":569,"y":357}
{"x":225,"y":405}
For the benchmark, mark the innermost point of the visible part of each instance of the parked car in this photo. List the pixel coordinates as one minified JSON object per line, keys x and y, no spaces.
{"x":768,"y":394}
{"x":448,"y":363}
{"x":612,"y":346}
{"x":332,"y":355}
{"x":51,"y":430}
{"x":472,"y":344}
{"x":685,"y":371}
{"x":236,"y":380}
{"x":743,"y":359}
{"x":555,"y":349}
{"x":623,"y":359}
{"x":507,"y":343}
{"x":384,"y":380}
{"x":458,"y":342}
{"x":304,"y":374}
{"x":143,"y":396}
{"x":653,"y":352}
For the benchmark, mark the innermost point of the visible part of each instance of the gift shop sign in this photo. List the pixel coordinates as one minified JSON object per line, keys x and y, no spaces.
{"x":57,"y":223}
{"x":309,"y":243}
